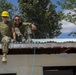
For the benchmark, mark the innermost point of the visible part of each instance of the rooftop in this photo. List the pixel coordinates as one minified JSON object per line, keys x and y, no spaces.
{"x":43,"y":46}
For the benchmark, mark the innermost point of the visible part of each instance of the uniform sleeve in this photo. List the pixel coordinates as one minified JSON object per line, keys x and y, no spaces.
{"x":12,"y":27}
{"x":26,"y":23}
{"x":12,"y":24}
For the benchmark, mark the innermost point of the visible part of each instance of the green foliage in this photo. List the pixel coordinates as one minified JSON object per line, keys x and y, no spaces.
{"x":69,"y":5}
{"x":43,"y":14}
{"x":71,"y":16}
{"x":8,"y":6}
{"x":72,"y":34}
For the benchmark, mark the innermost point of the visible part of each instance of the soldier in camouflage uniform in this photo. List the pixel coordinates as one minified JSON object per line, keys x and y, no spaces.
{"x":23,"y":29}
{"x":6,"y":29}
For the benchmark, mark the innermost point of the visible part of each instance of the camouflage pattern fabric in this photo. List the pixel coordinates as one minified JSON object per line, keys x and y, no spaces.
{"x":28,"y":33}
{"x":24,"y":30}
{"x":6,"y":34}
{"x":18,"y":31}
{"x":5,"y":29}
{"x":24,"y":26}
{"x":19,"y":35}
{"x":5,"y":43}
{"x":28,"y":29}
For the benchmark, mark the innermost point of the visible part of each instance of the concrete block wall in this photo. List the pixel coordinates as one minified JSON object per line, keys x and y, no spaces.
{"x":22,"y":64}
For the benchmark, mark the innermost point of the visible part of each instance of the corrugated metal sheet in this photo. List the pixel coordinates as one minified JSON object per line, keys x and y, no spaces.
{"x":45,"y":43}
{"x":54,"y":40}
{"x":44,"y":46}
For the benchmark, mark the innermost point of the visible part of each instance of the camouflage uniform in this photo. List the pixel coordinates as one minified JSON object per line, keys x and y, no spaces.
{"x":5,"y":33}
{"x":28,"y":31}
{"x":24,"y":30}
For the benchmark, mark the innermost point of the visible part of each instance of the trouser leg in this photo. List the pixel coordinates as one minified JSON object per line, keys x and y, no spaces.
{"x":29,"y":38}
{"x":28,"y":30}
{"x":5,"y":44}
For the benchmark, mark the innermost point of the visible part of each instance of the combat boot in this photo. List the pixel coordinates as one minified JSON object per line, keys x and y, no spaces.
{"x":4,"y":58}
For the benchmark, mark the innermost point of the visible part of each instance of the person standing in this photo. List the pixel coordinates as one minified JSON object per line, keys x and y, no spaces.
{"x":6,"y":33}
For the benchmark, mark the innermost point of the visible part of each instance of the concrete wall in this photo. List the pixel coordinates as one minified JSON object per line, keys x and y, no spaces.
{"x":22,"y":64}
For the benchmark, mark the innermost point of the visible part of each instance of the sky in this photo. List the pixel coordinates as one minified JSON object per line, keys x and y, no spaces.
{"x":67,"y":27}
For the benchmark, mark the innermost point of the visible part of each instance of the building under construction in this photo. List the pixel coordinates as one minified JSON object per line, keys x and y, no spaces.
{"x":41,"y":57}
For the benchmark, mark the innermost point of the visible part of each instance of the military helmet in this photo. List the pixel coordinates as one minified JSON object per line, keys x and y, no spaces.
{"x":5,"y":14}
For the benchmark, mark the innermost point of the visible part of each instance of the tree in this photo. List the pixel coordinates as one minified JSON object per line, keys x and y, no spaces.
{"x":71,"y":6}
{"x":43,"y":14}
{"x":71,"y":15}
{"x":8,"y":6}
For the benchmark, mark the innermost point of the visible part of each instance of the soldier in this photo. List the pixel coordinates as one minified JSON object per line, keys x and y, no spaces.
{"x":23,"y":29}
{"x":6,"y":30}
